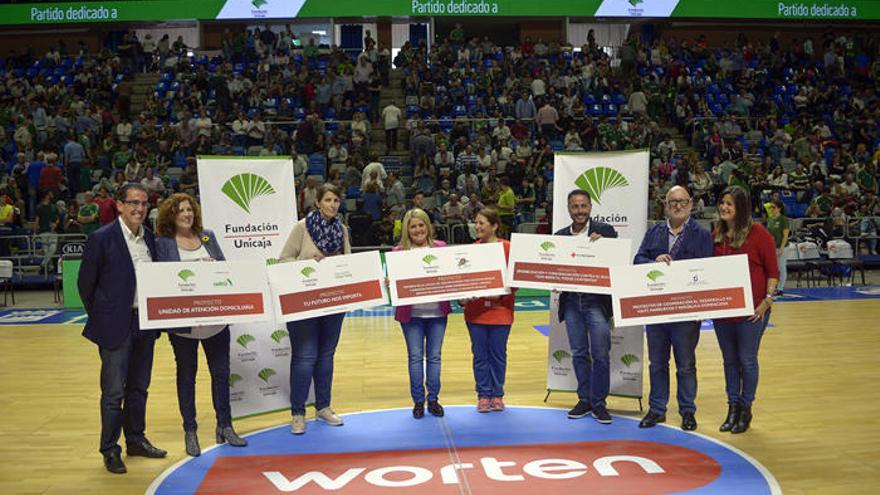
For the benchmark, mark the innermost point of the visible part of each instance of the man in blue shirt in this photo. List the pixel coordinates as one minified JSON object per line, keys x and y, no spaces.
{"x":74,"y":157}
{"x":679,"y":238}
{"x":33,"y":173}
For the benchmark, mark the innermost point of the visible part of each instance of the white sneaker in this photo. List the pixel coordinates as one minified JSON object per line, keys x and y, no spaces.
{"x":298,"y":424}
{"x":328,"y":416}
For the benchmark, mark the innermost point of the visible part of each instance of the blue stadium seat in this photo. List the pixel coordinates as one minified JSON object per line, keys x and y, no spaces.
{"x":611,"y":109}
{"x":317,"y":164}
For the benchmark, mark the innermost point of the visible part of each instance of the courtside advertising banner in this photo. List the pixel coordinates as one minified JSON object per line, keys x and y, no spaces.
{"x":188,"y":294}
{"x":337,"y":284}
{"x":250,"y":204}
{"x":432,"y":275}
{"x":685,"y":290}
{"x":618,"y":186}
{"x":565,"y":263}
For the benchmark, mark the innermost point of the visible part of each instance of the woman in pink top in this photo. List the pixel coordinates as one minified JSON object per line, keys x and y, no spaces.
{"x":424,"y":325}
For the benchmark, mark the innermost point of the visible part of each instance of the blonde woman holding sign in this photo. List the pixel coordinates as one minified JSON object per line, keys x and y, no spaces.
{"x":424,"y":325}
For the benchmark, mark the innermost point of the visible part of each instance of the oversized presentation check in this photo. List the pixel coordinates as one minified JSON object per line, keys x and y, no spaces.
{"x":685,"y":290}
{"x":193,"y":293}
{"x":310,"y":288}
{"x":442,"y":274}
{"x":565,"y":263}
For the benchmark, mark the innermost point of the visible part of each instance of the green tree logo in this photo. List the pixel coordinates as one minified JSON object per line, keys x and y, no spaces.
{"x":547,"y":246}
{"x":598,"y":180}
{"x":185,"y":274}
{"x":233,"y":379}
{"x":265,"y":373}
{"x":634,"y":3}
{"x":560,"y":355}
{"x":277,"y":335}
{"x":258,"y":3}
{"x":245,"y":339}
{"x":307,"y":272}
{"x":629,"y":359}
{"x":430,"y":258}
{"x":655,"y":274}
{"x":243,"y":188}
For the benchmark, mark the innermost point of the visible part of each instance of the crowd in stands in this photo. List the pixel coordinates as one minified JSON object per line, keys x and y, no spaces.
{"x":796,"y":121}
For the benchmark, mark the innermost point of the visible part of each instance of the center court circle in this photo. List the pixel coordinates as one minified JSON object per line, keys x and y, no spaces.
{"x":523,"y":450}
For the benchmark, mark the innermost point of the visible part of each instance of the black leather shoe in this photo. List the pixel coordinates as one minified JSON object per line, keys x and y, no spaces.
{"x":732,"y":417}
{"x":419,"y":410}
{"x":651,"y":419}
{"x":744,"y":420}
{"x":688,"y":422}
{"x":144,"y":449}
{"x":113,"y":463}
{"x":435,"y":408}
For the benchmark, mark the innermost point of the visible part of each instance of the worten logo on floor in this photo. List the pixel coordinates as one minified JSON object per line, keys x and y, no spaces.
{"x":519,"y":451}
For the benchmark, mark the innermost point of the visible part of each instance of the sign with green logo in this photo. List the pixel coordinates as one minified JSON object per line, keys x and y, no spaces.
{"x":186,"y":274}
{"x":600,"y":179}
{"x":243,"y":188}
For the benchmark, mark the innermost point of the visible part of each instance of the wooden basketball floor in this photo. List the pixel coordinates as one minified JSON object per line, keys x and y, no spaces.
{"x":816,"y":426}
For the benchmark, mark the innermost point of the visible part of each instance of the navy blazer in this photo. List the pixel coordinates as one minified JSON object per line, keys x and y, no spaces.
{"x":166,"y":247}
{"x":697,"y":243}
{"x":604,"y":301}
{"x":107,"y":285}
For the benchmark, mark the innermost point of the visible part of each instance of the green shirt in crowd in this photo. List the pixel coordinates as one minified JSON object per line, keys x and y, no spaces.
{"x":777,"y":226}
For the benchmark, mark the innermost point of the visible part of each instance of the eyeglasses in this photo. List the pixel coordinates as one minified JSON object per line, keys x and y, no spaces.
{"x":135,"y":204}
{"x":677,"y":202}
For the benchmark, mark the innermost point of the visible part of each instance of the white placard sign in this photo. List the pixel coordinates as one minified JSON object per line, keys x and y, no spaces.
{"x":565,"y":263}
{"x":187,"y":294}
{"x":685,"y":290}
{"x":442,"y":274}
{"x":250,"y":204}
{"x":310,"y":288}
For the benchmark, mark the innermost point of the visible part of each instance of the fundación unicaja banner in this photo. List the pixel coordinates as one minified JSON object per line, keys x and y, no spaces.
{"x":250,"y":204}
{"x":618,"y":185}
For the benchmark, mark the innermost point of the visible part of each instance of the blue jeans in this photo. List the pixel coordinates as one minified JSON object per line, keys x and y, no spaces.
{"x":186,"y":354}
{"x":313,"y":344}
{"x":589,"y":336}
{"x":739,"y":342}
{"x":125,"y":378}
{"x":424,"y":341}
{"x":783,"y":271}
{"x":489,"y":347}
{"x":682,"y":338}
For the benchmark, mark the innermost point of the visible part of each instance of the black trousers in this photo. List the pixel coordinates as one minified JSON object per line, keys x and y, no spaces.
{"x":186,"y":353}
{"x":125,"y":377}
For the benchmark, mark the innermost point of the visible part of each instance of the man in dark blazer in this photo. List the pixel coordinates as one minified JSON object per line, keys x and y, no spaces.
{"x":679,"y":238}
{"x":108,"y":289}
{"x":586,"y":318}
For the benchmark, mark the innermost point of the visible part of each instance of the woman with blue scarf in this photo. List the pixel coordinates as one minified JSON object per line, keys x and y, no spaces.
{"x":313,"y":340}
